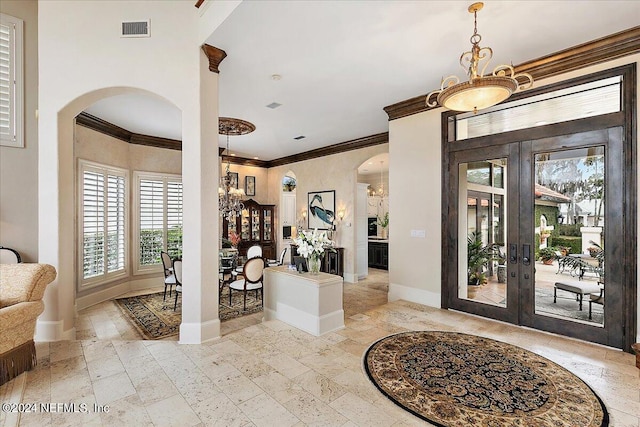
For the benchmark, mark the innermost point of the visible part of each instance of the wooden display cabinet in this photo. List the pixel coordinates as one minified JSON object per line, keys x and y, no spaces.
{"x":255,"y":227}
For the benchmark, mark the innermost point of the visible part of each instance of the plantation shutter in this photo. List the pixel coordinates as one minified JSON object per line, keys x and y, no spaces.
{"x":174,"y":218}
{"x":93,"y":224}
{"x":115,"y":223}
{"x":151,"y":220}
{"x":11,"y":81}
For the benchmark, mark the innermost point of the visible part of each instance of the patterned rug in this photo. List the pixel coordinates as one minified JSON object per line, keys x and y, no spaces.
{"x":155,"y":319}
{"x":457,"y":379}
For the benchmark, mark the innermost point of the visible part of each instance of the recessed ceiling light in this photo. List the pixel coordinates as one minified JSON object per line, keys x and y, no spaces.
{"x":273,"y":105}
{"x":298,"y":138}
{"x":276,"y":77}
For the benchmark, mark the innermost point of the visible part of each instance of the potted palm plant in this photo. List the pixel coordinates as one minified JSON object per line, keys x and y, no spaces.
{"x":478,"y":257}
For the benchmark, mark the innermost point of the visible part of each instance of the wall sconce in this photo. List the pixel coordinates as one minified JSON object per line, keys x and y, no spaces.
{"x":340,"y":215}
{"x":304,"y":214}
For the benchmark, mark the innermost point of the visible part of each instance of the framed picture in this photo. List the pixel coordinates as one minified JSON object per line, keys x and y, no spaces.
{"x":250,"y":185}
{"x":322,"y":207}
{"x":234,"y":179}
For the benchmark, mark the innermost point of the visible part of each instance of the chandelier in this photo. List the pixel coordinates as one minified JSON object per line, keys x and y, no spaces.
{"x":229,"y":196}
{"x":480,"y":91}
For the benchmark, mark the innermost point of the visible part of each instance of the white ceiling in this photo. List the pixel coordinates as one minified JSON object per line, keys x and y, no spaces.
{"x":341,"y":62}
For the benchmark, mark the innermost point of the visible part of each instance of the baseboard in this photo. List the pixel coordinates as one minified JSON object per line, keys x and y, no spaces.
{"x":420,"y":296}
{"x":314,"y":325}
{"x":49,"y":330}
{"x":350,"y":278}
{"x":199,"y":333}
{"x":111,"y":292}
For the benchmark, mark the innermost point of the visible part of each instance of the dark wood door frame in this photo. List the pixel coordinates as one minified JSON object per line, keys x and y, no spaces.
{"x":625,"y":119}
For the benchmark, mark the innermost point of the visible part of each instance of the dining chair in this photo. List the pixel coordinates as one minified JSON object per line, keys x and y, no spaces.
{"x":9,"y":256}
{"x":169,"y":277}
{"x":280,"y":261}
{"x":251,"y":281}
{"x":254,"y":251}
{"x":177,"y":271}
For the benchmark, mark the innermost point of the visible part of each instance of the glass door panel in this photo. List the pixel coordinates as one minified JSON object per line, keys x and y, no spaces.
{"x":267,"y":224}
{"x":245,"y":224}
{"x":481,"y":233}
{"x":569,"y":234}
{"x":255,"y":224}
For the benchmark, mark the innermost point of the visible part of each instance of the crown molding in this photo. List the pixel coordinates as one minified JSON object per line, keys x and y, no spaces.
{"x":243,"y":161}
{"x":614,"y":46}
{"x":104,"y":127}
{"x":215,"y":56}
{"x":354,"y":144}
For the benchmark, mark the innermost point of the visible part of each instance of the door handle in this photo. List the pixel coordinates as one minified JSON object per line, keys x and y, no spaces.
{"x":513,"y":253}
{"x":526,"y":254}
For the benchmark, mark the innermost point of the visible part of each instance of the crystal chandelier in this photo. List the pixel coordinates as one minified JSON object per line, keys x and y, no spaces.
{"x":229,"y":197}
{"x":480,"y":91}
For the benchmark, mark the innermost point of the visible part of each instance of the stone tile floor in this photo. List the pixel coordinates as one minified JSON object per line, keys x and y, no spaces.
{"x":271,"y":374}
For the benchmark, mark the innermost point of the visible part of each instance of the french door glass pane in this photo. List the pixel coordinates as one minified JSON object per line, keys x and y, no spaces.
{"x":482,"y":239}
{"x":569,"y":234}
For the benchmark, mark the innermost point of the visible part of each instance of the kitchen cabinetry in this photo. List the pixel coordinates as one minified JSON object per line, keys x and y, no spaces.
{"x":379,"y":255}
{"x":288,"y":210}
{"x":255,"y":227}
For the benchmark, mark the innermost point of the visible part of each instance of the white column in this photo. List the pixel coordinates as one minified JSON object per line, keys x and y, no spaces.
{"x":200,"y":321}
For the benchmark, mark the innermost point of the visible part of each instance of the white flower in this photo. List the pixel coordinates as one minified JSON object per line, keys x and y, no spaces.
{"x":311,"y":242}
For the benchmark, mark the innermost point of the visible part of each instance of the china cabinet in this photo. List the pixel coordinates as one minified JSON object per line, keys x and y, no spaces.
{"x":255,"y":227}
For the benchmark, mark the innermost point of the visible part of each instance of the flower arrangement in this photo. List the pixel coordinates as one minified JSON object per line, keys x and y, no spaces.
{"x":311,"y":242}
{"x":234,"y":238}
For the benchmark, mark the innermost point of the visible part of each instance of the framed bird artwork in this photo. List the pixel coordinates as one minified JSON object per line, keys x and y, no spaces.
{"x":322,"y":208}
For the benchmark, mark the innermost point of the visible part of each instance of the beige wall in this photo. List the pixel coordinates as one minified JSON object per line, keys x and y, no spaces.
{"x":415,"y":201}
{"x":337,"y":172}
{"x":261,"y":175}
{"x":19,"y":166}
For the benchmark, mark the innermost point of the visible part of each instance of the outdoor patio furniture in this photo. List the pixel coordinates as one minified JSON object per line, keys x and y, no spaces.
{"x":579,"y":288}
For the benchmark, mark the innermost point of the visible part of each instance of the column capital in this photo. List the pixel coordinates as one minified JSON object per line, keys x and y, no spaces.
{"x":215,"y":56}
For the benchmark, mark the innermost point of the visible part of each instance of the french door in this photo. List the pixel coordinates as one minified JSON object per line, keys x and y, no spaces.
{"x":557,"y":198}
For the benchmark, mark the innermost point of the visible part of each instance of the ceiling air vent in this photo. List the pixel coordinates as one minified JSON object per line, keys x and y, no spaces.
{"x":136,"y":29}
{"x":273,"y":105}
{"x":298,"y":138}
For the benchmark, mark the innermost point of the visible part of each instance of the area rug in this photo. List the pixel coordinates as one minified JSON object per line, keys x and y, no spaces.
{"x":454,"y":379}
{"x":155,"y":319}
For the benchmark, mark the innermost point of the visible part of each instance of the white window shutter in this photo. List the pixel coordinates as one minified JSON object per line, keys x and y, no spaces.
{"x":11,"y":81}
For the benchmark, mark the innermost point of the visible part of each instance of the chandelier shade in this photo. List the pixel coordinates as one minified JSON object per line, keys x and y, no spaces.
{"x":229,"y":197}
{"x":479,"y":91}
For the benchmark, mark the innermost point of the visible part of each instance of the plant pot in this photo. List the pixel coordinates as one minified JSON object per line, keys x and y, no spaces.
{"x":547,"y":261}
{"x":472,"y":291}
{"x":502,"y":273}
{"x":383,"y":233}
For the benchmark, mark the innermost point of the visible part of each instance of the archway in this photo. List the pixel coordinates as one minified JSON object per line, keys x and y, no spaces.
{"x":372,"y":247}
{"x":57,"y":209}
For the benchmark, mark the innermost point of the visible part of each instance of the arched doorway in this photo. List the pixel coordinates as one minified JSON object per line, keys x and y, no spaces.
{"x":58,"y":228}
